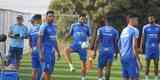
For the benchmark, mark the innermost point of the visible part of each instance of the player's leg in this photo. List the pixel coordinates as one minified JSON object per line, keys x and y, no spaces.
{"x":12,"y":57}
{"x":68,"y":58}
{"x":34,"y":72}
{"x":125,"y":69}
{"x":147,"y":70}
{"x":133,"y":70}
{"x":156,"y":70}
{"x":36,"y":68}
{"x":108,"y":70}
{"x":48,"y":63}
{"x":100,"y":73}
{"x":100,"y":65}
{"x":83,"y":59}
{"x":19,"y":55}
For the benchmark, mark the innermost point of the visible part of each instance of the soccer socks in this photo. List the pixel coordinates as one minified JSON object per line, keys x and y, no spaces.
{"x":100,"y":79}
{"x":146,"y":78}
{"x":83,"y":78}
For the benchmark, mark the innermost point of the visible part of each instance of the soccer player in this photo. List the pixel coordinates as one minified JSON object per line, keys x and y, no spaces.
{"x":18,"y":32}
{"x":151,"y":40}
{"x":107,"y":38}
{"x":33,"y":40}
{"x":129,"y":50}
{"x":48,"y":45}
{"x":80,"y":33}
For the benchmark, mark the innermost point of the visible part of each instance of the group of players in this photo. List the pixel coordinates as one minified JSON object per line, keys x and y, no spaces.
{"x":43,"y":43}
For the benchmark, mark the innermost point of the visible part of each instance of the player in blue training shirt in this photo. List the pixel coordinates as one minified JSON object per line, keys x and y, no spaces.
{"x":48,"y":45}
{"x":33,"y":40}
{"x":80,"y":33}
{"x":106,"y":41}
{"x":18,"y":32}
{"x":129,"y":50}
{"x":151,"y":40}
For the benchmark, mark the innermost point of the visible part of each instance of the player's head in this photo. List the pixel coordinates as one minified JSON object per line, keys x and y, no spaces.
{"x":133,"y":20}
{"x":103,"y":21}
{"x":82,"y":18}
{"x":19,"y":19}
{"x":50,"y":16}
{"x":151,"y":19}
{"x":37,"y":19}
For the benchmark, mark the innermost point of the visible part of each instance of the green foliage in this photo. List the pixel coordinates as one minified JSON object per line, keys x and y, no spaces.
{"x":116,"y":9}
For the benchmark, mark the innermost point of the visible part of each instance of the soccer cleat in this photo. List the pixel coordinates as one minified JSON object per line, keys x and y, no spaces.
{"x":72,"y":70}
{"x":146,"y":78}
{"x":83,"y":78}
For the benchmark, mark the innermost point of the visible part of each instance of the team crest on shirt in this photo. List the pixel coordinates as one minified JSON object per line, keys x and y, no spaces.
{"x":124,"y":34}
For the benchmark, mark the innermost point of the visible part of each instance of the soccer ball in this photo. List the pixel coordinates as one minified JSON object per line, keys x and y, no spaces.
{"x":85,"y":45}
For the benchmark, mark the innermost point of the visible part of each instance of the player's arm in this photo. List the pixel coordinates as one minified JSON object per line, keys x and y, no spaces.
{"x":57,"y":49}
{"x":40,"y":42}
{"x":11,"y":34}
{"x":68,"y":34}
{"x":136,"y":49}
{"x":25,"y":34}
{"x":96,"y":43}
{"x":116,"y":44}
{"x":142,"y":40}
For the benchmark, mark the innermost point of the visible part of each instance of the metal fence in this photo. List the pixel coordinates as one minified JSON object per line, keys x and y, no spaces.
{"x":8,"y":18}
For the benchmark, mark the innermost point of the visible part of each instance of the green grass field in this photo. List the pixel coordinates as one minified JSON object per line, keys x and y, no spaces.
{"x":62,"y":73}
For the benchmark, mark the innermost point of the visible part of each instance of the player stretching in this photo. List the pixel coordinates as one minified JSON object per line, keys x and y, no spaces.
{"x":80,"y":33}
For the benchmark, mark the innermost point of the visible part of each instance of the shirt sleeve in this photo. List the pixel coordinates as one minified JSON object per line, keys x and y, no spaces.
{"x":71,"y":29}
{"x":42,"y":29}
{"x":98,"y":32}
{"x":11,"y":29}
{"x":136,"y":34}
{"x":117,"y":34}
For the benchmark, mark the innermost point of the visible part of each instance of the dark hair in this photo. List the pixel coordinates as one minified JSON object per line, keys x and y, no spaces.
{"x":131,"y":16}
{"x":82,"y":15}
{"x":50,"y":12}
{"x":37,"y":16}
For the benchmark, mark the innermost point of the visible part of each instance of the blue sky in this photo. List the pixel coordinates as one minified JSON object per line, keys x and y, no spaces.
{"x":33,"y":6}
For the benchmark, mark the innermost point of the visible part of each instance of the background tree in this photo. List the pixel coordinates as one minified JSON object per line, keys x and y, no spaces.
{"x":116,"y":10}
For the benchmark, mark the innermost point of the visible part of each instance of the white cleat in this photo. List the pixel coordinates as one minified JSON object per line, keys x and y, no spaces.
{"x":72,"y":70}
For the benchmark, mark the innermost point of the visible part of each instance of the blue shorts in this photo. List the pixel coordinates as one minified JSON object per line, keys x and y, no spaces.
{"x":36,"y":60}
{"x":151,"y":54}
{"x":15,"y":55}
{"x":130,"y":68}
{"x":49,"y":62}
{"x":104,"y":57}
{"x":82,"y":52}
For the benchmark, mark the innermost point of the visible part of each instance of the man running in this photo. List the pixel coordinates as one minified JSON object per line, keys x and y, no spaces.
{"x":129,"y":50}
{"x":151,"y":40}
{"x":80,"y":33}
{"x":18,"y":32}
{"x":48,"y":45}
{"x":33,"y":40}
{"x":107,"y":38}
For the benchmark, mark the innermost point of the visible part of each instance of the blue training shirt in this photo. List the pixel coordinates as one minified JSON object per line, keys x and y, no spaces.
{"x":49,"y":33}
{"x":126,"y":43}
{"x":80,"y":32}
{"x":151,"y":33}
{"x":22,"y":30}
{"x":108,"y":36}
{"x":33,"y":35}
